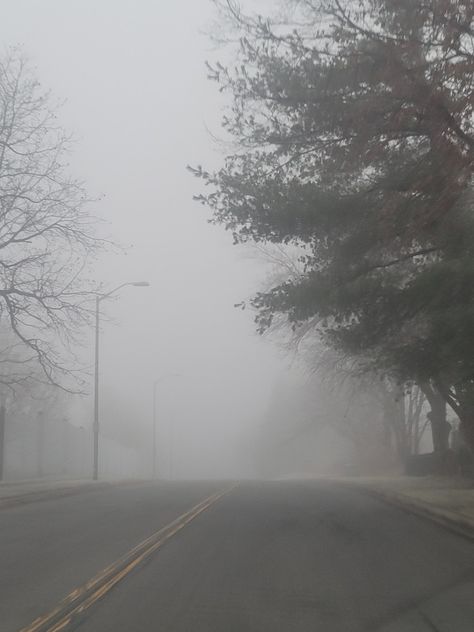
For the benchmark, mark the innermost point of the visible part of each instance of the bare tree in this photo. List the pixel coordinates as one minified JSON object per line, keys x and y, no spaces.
{"x":46,"y":234}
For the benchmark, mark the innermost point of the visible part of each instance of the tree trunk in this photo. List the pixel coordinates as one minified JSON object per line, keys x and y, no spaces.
{"x":461,"y":400}
{"x":440,"y":428}
{"x":466,"y":417}
{"x":394,"y":418}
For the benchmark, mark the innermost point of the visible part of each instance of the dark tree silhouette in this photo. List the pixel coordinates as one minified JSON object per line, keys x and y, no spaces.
{"x":46,"y":234}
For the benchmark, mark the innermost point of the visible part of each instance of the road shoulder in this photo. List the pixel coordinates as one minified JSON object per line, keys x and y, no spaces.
{"x":447,"y":501}
{"x":22,"y":492}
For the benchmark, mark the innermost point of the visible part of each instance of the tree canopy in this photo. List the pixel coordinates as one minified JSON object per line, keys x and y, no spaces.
{"x":354,"y":128}
{"x":46,"y":234}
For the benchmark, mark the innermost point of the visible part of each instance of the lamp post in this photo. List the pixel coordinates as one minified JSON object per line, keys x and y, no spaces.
{"x":155,"y":384}
{"x":98,"y":299}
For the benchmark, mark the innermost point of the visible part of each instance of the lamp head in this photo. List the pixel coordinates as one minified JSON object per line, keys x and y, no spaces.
{"x":140,"y":284}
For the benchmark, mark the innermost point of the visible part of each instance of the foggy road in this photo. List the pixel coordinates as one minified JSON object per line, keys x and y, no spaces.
{"x":280,"y":556}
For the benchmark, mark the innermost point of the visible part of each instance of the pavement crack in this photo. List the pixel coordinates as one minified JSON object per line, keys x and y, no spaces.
{"x":428,"y":621}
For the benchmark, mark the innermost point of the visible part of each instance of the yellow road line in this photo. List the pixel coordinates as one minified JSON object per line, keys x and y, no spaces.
{"x":82,"y":598}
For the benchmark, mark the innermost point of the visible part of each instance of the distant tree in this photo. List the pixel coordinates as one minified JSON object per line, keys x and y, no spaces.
{"x":354,"y":122}
{"x":400,"y":405}
{"x":46,"y":234}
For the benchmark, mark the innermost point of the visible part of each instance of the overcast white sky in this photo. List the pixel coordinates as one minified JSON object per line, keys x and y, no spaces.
{"x":133,"y":77}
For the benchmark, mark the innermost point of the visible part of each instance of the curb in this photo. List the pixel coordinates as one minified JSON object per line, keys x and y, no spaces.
{"x":449,"y":520}
{"x":45,"y":494}
{"x":59,"y":492}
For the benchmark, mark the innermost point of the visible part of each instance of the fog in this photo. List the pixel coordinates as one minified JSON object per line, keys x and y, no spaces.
{"x":132,"y":81}
{"x":236,"y":315}
{"x":137,"y":100}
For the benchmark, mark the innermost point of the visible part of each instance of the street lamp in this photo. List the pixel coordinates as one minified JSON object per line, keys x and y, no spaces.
{"x":98,"y":299}
{"x":155,"y":384}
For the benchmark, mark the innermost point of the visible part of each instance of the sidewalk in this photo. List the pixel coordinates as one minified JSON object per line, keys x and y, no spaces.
{"x":21,"y":492}
{"x":447,"y":501}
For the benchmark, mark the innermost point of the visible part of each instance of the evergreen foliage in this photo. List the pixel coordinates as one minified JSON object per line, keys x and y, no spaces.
{"x":354,"y":121}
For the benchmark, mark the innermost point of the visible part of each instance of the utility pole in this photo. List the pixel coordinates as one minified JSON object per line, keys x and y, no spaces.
{"x":171,"y":448}
{"x":95,"y":474}
{"x":2,"y":440}
{"x":155,"y":384}
{"x":68,"y":456}
{"x":40,"y":444}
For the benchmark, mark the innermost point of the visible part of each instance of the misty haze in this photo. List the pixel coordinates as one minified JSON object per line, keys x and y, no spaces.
{"x":237,"y":315}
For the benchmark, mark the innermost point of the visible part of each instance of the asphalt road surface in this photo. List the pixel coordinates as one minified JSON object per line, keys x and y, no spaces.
{"x":278,"y":557}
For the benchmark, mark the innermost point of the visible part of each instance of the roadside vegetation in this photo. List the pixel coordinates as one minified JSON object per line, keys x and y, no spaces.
{"x":47,"y":238}
{"x":351,"y":125}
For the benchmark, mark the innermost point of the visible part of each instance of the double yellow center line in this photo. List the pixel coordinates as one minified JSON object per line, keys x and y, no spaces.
{"x":82,"y":598}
